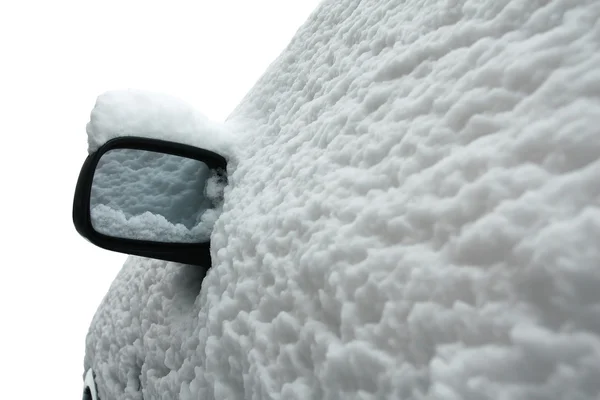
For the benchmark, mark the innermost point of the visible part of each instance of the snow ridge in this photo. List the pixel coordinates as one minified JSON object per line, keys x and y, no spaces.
{"x":414,"y":214}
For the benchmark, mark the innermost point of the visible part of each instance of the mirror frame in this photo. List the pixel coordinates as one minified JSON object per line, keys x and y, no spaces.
{"x":185,"y":253}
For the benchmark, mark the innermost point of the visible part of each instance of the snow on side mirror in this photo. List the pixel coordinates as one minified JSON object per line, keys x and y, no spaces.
{"x":151,"y":198}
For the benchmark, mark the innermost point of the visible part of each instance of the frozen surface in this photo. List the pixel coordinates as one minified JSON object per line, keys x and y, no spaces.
{"x":413,"y":213}
{"x":140,"y":194}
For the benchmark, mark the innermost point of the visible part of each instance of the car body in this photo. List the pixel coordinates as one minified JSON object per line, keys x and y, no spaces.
{"x":412,"y":212}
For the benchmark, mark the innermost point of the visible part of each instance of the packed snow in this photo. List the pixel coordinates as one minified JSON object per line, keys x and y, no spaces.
{"x":412,"y":212}
{"x":139,"y":194}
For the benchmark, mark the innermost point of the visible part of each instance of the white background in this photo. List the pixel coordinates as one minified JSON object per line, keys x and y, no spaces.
{"x":56,"y":57}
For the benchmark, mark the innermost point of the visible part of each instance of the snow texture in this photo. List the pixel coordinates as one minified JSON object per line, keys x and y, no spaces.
{"x":156,"y":116}
{"x":153,"y":196}
{"x":413,"y":214}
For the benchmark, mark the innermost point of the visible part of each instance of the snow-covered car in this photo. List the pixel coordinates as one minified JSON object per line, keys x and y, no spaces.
{"x":412,"y":211}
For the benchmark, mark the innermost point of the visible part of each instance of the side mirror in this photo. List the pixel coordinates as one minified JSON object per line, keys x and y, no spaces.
{"x":150,"y":198}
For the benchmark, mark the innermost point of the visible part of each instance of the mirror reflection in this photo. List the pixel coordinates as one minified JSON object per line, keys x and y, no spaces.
{"x":145,"y":195}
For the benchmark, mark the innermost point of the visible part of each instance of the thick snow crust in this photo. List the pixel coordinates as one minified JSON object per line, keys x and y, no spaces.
{"x":413,"y":214}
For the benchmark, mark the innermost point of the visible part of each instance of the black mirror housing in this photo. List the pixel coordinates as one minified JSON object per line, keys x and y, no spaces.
{"x":187,"y":253}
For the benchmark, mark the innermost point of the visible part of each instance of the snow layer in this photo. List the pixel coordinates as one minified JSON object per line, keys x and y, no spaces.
{"x":414,"y":213}
{"x":154,"y":115}
{"x":153,"y":196}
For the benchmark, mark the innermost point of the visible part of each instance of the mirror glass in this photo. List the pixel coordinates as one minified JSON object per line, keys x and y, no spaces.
{"x":145,"y":195}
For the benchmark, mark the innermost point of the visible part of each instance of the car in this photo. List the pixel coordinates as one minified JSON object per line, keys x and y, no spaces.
{"x":411,"y":212}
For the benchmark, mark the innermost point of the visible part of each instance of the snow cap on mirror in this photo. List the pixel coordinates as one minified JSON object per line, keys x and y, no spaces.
{"x":156,"y":116}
